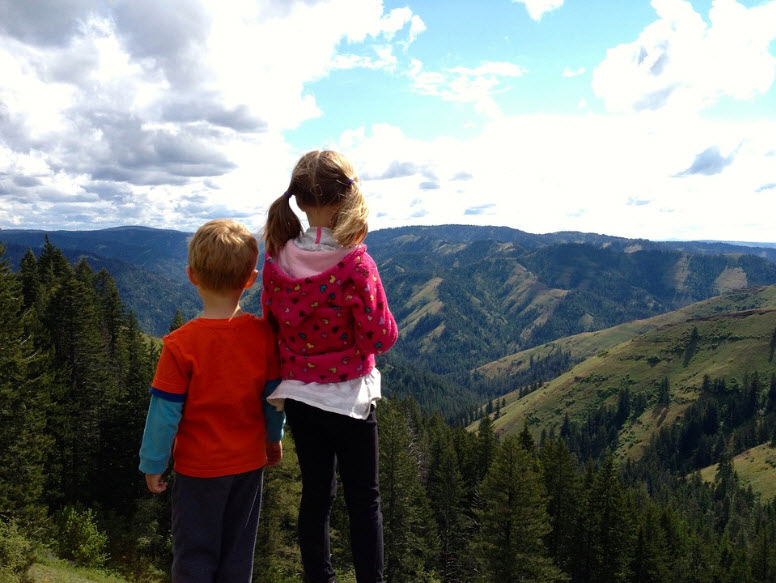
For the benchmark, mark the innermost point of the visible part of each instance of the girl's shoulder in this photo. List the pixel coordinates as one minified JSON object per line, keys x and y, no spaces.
{"x":342,"y":265}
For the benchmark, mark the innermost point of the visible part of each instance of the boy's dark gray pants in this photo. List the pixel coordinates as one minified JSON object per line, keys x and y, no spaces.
{"x":214,"y":522}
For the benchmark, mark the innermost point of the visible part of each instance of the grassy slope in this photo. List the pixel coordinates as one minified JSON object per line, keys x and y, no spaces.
{"x":56,"y":571}
{"x":755,"y":467}
{"x":735,"y":332}
{"x":583,"y":346}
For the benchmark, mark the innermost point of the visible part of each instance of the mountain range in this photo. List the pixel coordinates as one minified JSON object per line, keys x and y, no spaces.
{"x":558,"y":330}
{"x":464,"y":296}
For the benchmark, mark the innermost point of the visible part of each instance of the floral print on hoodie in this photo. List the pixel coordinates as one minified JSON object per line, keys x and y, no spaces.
{"x":330,"y":325}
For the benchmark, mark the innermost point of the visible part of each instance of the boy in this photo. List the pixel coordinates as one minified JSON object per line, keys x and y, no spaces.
{"x":207,"y":398}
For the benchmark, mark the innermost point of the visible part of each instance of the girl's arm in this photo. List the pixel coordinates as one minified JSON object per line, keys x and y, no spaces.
{"x":274,"y":420}
{"x":376,"y":329}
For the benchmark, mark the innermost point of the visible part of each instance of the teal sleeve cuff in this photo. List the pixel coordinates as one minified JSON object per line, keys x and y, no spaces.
{"x":161,"y":427}
{"x":273,"y":419}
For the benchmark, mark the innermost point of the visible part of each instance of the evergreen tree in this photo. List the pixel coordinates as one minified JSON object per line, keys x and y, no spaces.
{"x":561,"y":482}
{"x":611,"y":527}
{"x":30,"y":280}
{"x":177,"y":321}
{"x":486,"y":443}
{"x":52,"y":265}
{"x":700,"y":559}
{"x":446,"y":493}
{"x":24,"y":405}
{"x":764,"y":554}
{"x":408,"y":524}
{"x":526,"y":440}
{"x":83,"y":379}
{"x":663,"y":392}
{"x":514,"y":520}
{"x":692,"y":345}
{"x":650,"y":561}
{"x":112,"y":315}
{"x":124,"y":414}
{"x":583,"y":550}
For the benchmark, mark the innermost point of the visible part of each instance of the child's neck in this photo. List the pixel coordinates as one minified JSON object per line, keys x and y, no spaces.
{"x":220,"y":305}
{"x":321,"y":216}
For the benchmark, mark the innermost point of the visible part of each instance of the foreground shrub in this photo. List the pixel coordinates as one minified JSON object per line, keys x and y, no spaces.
{"x":78,"y":539}
{"x":16,"y":552}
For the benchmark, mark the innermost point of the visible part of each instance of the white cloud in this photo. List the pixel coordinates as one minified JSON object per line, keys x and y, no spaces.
{"x":162,"y":111}
{"x":104,"y":123}
{"x":551,"y":173}
{"x":466,"y":85}
{"x":417,"y":26}
{"x":568,"y":72}
{"x":681,"y":63}
{"x":537,"y":8}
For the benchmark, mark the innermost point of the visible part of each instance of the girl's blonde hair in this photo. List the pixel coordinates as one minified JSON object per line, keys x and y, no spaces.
{"x":320,"y":178}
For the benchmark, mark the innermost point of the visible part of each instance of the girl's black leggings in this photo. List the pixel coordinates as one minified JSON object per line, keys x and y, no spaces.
{"x":325,"y":443}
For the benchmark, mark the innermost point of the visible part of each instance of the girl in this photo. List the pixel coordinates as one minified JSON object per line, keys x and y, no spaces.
{"x":323,"y":292}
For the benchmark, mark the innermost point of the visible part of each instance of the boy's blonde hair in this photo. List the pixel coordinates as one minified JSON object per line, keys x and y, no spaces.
{"x":320,"y":178}
{"x":223,"y":254}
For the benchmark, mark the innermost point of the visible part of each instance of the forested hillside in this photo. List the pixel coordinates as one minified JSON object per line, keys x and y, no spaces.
{"x":686,"y":390}
{"x":464,"y":296}
{"x":458,"y":505}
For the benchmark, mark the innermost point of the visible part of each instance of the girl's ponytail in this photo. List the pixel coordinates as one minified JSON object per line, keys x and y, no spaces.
{"x":282,"y":224}
{"x":349,"y":225}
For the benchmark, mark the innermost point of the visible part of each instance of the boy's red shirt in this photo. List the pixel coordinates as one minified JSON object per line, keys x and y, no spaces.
{"x":220,"y":368}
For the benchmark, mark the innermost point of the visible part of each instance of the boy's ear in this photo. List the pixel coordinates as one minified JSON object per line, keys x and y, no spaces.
{"x":252,"y":279}
{"x":192,"y":277}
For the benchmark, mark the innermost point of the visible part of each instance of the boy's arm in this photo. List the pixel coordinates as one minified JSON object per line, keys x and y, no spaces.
{"x":164,"y":415}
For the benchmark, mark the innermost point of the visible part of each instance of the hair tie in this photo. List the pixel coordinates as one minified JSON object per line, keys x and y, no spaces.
{"x":287,"y":194}
{"x":351,"y":181}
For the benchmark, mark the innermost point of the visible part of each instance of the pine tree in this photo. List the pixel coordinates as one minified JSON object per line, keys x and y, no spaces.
{"x":527,"y":440}
{"x":124,"y":414}
{"x":611,"y":528}
{"x":651,"y":554}
{"x":177,"y":321}
{"x":561,"y":482}
{"x":30,"y":280}
{"x":487,"y":444}
{"x":52,"y":265}
{"x":663,"y":392}
{"x":24,"y":405}
{"x":83,"y":379}
{"x":514,"y":520}
{"x":446,"y":493}
{"x":112,"y":315}
{"x":764,"y":554}
{"x":408,"y":524}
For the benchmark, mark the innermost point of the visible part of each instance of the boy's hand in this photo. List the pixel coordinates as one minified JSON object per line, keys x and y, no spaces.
{"x":274,"y":453}
{"x":155,"y":484}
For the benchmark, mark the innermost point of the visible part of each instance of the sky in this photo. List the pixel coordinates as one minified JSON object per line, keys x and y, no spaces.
{"x":637,"y":119}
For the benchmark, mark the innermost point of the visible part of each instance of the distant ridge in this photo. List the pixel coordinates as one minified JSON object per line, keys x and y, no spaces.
{"x":493,"y":290}
{"x":471,"y":233}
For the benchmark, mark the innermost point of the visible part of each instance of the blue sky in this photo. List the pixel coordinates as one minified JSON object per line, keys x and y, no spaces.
{"x":639,"y":119}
